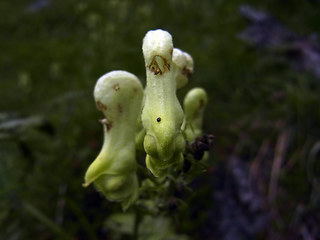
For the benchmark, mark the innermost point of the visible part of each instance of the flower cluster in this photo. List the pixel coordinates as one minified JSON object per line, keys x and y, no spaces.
{"x":151,"y":119}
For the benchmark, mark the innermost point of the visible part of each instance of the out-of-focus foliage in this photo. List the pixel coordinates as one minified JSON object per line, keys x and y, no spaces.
{"x":122,"y":224}
{"x":264,"y":115}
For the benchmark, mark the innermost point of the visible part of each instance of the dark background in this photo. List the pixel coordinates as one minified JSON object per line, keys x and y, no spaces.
{"x":264,"y":97}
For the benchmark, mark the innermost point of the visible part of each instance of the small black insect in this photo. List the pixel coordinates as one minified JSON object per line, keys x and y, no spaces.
{"x":158,"y":119}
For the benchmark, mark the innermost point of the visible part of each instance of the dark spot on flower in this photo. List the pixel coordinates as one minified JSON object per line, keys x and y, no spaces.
{"x":109,"y":126}
{"x":101,"y":106}
{"x":154,"y":67}
{"x":167,"y":66}
{"x":186,"y":72}
{"x":107,"y":123}
{"x":116,"y":87}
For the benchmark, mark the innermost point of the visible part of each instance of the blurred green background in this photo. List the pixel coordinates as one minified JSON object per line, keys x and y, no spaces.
{"x":52,"y":53}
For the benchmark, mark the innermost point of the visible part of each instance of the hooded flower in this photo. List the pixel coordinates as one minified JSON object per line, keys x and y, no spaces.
{"x":118,"y":94}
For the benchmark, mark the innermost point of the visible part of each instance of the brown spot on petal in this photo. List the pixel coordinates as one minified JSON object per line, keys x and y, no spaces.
{"x":186,"y":72}
{"x":107,"y":123}
{"x":101,"y":106}
{"x":116,"y":87}
{"x":166,"y":66}
{"x":109,"y":126}
{"x":154,"y":67}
